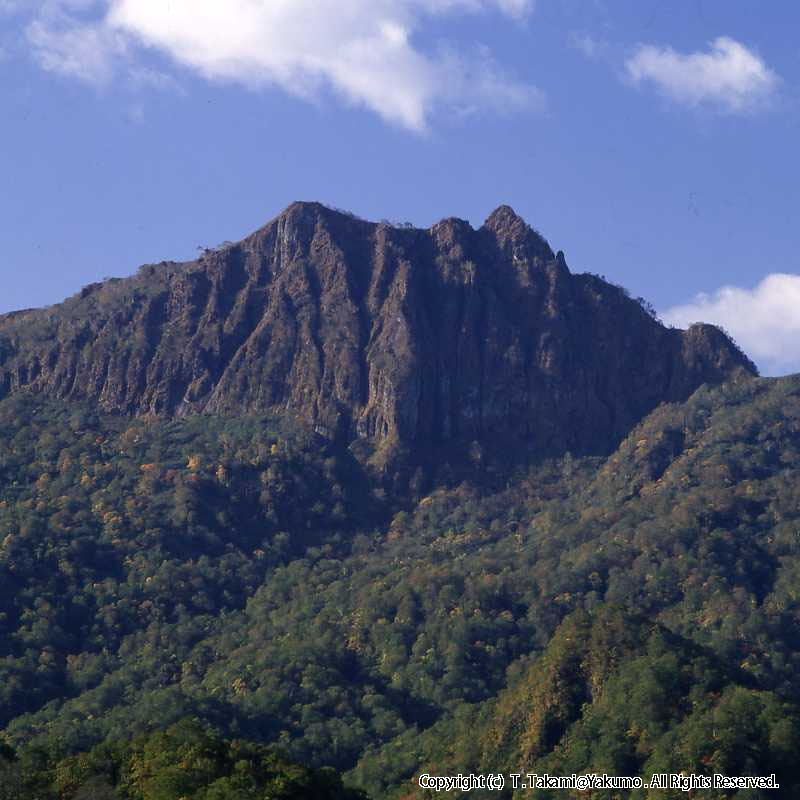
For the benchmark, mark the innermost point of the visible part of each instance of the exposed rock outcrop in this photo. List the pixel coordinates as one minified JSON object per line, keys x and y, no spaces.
{"x":367,"y":330}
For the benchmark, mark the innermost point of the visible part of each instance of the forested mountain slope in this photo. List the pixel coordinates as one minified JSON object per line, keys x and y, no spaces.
{"x":184,"y":760}
{"x":615,"y":694}
{"x":246,"y":572}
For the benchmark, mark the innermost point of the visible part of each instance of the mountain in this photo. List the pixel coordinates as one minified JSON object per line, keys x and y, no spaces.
{"x":204,"y":583}
{"x":388,"y":335}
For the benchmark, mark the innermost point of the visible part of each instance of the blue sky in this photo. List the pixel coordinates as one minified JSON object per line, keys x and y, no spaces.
{"x":654,"y":142}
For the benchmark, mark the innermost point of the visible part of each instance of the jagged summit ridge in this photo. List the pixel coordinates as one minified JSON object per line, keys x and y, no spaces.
{"x":372,"y":331}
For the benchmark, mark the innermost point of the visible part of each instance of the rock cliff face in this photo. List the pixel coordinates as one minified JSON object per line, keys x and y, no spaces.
{"x":371,"y":331}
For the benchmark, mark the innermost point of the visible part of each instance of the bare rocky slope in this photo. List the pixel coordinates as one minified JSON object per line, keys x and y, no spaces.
{"x":373,"y":332}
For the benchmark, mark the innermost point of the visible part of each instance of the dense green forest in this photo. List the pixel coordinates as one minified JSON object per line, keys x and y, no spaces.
{"x":631,"y":614}
{"x":185,"y":760}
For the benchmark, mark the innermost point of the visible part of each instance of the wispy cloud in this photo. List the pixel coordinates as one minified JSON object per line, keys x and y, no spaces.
{"x":11,"y":6}
{"x":366,"y":51}
{"x":590,"y":45}
{"x":765,"y":320}
{"x":516,"y":8}
{"x":89,"y":52}
{"x":727,"y":76}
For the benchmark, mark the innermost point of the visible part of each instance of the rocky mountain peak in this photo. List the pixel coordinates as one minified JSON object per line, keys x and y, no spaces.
{"x":514,"y":234}
{"x":504,"y":218}
{"x":368,"y":332}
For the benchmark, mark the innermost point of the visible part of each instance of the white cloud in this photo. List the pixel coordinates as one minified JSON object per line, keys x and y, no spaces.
{"x":70,"y":37}
{"x":765,"y":320}
{"x":728,"y":76}
{"x":516,"y":8}
{"x":364,"y":50}
{"x":86,"y":51}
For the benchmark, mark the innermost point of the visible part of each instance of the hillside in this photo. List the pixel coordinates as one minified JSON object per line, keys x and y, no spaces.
{"x":184,"y":760}
{"x":616,"y":694}
{"x":341,"y":630}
